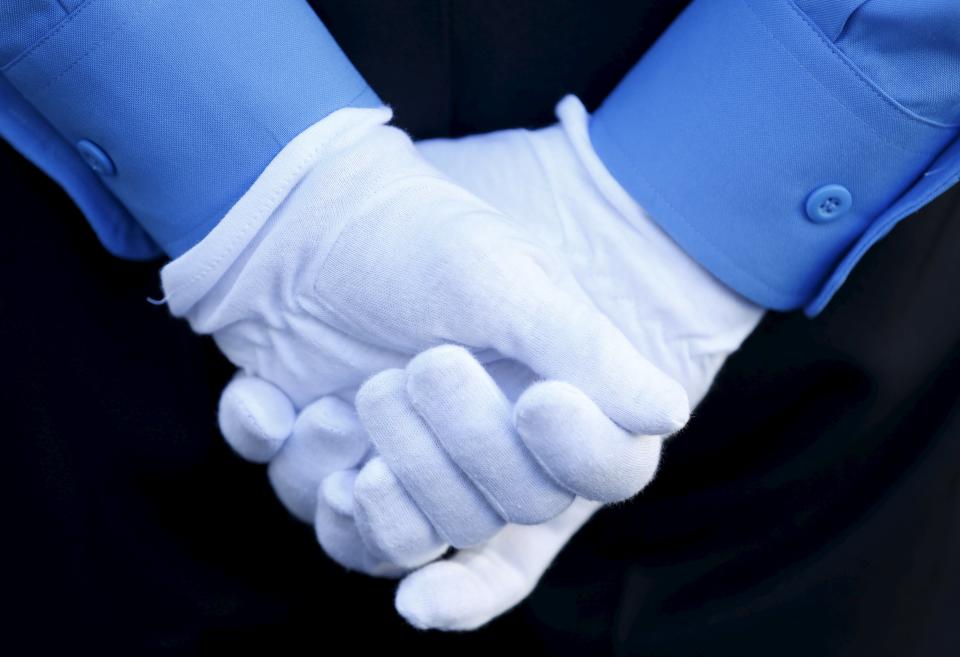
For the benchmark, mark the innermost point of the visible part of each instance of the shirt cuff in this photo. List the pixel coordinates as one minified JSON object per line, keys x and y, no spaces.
{"x":760,"y":148}
{"x":179,"y":105}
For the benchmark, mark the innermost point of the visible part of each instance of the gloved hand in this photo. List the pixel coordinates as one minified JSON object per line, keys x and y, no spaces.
{"x":348,"y":256}
{"x":407,"y":519}
{"x":666,"y":304}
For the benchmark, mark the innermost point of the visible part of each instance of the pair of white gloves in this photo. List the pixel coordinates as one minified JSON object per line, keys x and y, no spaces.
{"x":469,"y":343}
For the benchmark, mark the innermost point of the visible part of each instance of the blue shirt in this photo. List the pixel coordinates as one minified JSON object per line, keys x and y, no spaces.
{"x":774,"y":140}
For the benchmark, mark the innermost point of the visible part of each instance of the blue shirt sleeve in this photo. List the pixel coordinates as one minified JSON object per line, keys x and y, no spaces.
{"x":174,"y":106}
{"x":777,"y":140}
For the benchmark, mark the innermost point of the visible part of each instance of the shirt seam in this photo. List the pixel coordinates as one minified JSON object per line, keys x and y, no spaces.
{"x":66,"y":20}
{"x":870,"y":127}
{"x":96,"y":46}
{"x":866,"y":81}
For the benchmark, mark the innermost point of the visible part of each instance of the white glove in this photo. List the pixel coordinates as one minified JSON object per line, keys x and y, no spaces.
{"x":349,"y":255}
{"x":667,"y":305}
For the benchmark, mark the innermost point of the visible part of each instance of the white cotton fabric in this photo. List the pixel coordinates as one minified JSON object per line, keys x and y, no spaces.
{"x":603,"y":251}
{"x":455,"y":453}
{"x":391,"y":526}
{"x":666,"y":304}
{"x":471,"y":419}
{"x":580,"y":447}
{"x":350,"y":254}
{"x":256,"y":418}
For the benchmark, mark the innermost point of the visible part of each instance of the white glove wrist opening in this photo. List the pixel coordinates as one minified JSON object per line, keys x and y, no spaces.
{"x":187,"y":279}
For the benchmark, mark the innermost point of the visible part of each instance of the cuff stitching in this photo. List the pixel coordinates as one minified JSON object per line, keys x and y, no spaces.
{"x":881,"y":137}
{"x":92,"y":49}
{"x":49,"y":35}
{"x":843,"y":59}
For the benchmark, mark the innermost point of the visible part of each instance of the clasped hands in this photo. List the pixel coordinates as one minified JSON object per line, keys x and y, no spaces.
{"x":468,"y":343}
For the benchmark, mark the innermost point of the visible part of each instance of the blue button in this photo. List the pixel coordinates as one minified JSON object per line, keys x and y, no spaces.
{"x":828,"y":203}
{"x":96,"y":158}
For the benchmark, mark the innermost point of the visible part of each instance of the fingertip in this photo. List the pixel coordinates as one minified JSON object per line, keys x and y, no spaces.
{"x":443,"y":357}
{"x":335,"y":431}
{"x":338,"y":536}
{"x":330,"y":415}
{"x":658,"y":403}
{"x":255,"y":418}
{"x":442,"y":372}
{"x":669,"y":413}
{"x":296,"y":490}
{"x":539,"y":403}
{"x":582,"y":448}
{"x":389,"y":521}
{"x":651,"y":403}
{"x":446,"y":595}
{"x":337,"y":490}
{"x":377,"y":391}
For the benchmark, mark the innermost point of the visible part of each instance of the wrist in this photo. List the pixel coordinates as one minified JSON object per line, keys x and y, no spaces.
{"x":188,"y":278}
{"x":662,"y":276}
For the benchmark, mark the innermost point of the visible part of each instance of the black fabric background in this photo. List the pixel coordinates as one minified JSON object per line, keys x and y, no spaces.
{"x":810,"y":508}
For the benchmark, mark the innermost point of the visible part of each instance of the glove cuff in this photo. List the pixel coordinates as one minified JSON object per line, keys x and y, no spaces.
{"x":188,"y":278}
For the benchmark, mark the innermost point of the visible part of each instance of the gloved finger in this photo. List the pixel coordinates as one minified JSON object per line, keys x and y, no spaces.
{"x":327,"y":437}
{"x":255,"y":417}
{"x":389,"y":522}
{"x":574,"y":342}
{"x":581,"y":447}
{"x":337,"y":532}
{"x":336,"y":490}
{"x":472,"y":420}
{"x":527,"y":315}
{"x":455,"y":506}
{"x":476,"y":585}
